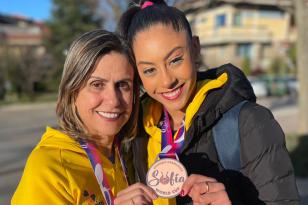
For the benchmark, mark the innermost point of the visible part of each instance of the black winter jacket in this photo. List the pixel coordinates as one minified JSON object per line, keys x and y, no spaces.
{"x":266,"y":176}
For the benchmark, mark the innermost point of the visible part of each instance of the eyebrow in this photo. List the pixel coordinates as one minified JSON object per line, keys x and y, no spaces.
{"x":98,"y":78}
{"x":165,"y":58}
{"x":104,"y":80}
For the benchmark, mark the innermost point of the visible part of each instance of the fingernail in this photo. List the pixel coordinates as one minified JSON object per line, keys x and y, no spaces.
{"x":155,"y":196}
{"x":182,"y":193}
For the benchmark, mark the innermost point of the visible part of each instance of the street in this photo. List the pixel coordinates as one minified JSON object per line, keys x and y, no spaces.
{"x":21,"y":127}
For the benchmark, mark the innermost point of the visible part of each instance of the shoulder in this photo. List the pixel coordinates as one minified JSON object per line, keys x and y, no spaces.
{"x":253,"y":109}
{"x":44,"y":161}
{"x":257,"y":118}
{"x":44,"y":179}
{"x":260,"y":133}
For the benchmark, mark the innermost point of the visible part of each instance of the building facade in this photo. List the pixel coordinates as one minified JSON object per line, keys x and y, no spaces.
{"x":242,"y":31}
{"x":19,"y":32}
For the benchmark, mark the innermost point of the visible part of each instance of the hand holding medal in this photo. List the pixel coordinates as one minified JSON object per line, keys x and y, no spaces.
{"x":135,"y":194}
{"x":205,"y":190}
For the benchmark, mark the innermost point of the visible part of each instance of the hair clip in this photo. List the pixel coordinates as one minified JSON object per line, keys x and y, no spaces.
{"x":146,"y":4}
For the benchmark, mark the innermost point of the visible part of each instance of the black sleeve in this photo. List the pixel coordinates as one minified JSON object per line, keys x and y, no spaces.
{"x":268,"y":175}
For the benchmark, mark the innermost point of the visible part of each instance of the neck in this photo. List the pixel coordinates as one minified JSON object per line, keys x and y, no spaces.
{"x":176,"y":118}
{"x":105,"y":145}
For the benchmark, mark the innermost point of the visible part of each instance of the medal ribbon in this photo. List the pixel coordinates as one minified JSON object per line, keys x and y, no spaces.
{"x":97,"y":166}
{"x":169,"y":145}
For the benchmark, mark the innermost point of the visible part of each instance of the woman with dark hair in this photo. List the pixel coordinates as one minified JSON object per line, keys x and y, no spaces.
{"x":189,"y":105}
{"x":82,"y":162}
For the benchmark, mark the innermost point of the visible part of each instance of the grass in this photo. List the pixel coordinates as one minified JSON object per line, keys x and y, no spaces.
{"x":298,"y":148}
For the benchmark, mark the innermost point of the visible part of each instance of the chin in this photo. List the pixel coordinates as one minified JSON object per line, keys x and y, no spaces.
{"x":175,"y":106}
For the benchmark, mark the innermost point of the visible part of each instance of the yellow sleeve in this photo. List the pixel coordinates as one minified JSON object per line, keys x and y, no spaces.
{"x":44,"y":180}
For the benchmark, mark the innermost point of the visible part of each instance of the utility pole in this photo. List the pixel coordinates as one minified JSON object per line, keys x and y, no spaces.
{"x":301,"y":12}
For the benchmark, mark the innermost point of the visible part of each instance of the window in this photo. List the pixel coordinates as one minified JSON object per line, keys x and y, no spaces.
{"x":244,"y":50}
{"x":220,"y":20}
{"x":237,"y":19}
{"x":271,"y":14}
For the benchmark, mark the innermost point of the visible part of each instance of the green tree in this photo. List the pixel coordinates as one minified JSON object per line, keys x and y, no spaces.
{"x":2,"y":77}
{"x":69,"y":19}
{"x":246,"y":66}
{"x":277,"y":66}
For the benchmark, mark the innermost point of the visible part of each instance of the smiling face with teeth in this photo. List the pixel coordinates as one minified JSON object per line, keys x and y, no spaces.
{"x":165,"y":62}
{"x":104,"y":103}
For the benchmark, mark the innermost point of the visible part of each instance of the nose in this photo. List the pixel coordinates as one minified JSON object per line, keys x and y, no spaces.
{"x":167,"y":79}
{"x":112,"y":96}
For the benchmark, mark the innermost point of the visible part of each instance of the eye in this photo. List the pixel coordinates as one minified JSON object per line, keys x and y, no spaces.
{"x":149,"y":71}
{"x":97,"y":84}
{"x":176,"y":60}
{"x":124,"y":85}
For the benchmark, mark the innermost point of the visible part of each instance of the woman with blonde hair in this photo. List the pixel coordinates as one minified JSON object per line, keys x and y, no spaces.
{"x":97,"y":108}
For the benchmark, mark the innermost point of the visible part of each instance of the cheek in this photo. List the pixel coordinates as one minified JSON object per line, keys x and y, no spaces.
{"x":128,"y":100}
{"x":189,"y":71}
{"x":149,"y":83}
{"x":86,"y":102}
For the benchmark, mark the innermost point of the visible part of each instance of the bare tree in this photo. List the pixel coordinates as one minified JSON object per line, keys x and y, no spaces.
{"x":301,"y":7}
{"x":24,"y":67}
{"x":111,"y":10}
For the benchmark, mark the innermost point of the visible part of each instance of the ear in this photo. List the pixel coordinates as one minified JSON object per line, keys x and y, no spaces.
{"x":195,"y":48}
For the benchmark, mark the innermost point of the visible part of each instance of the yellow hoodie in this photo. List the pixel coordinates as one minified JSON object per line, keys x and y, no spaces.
{"x":152,"y":113}
{"x":58,"y":171}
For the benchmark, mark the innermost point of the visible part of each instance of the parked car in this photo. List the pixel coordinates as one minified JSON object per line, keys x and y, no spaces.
{"x":292,"y":85}
{"x":280,"y":85}
{"x":259,"y":87}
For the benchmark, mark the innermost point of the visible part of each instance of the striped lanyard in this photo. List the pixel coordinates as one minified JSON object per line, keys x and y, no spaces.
{"x":169,"y":145}
{"x":97,"y":166}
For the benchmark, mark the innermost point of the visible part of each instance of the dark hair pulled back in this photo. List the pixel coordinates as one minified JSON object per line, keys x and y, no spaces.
{"x":136,"y":19}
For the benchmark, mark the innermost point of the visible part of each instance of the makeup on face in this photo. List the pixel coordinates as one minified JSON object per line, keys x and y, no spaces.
{"x":165,"y":65}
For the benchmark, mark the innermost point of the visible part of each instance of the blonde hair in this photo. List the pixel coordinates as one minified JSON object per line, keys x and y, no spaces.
{"x":78,"y":66}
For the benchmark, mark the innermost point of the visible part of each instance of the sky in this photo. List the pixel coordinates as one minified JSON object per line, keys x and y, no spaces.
{"x":35,"y":9}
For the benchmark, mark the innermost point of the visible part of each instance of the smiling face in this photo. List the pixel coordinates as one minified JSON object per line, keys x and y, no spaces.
{"x":165,"y":66}
{"x":104,"y":103}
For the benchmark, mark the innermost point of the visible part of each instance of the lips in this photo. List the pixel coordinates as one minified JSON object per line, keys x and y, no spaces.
{"x":109,"y":115}
{"x":174,"y":94}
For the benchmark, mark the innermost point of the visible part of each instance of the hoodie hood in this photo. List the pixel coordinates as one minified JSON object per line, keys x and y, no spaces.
{"x":235,"y":90}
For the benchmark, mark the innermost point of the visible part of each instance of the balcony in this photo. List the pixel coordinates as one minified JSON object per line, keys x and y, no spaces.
{"x":233,"y":35}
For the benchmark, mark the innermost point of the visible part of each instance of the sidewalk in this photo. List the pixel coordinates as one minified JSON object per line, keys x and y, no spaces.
{"x":285,"y":111}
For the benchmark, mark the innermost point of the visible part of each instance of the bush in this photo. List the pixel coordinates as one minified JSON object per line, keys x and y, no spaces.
{"x":297,"y":146}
